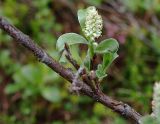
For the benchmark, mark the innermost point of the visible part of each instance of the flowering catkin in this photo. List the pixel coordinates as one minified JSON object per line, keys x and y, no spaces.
{"x":93,"y":23}
{"x":156,"y":100}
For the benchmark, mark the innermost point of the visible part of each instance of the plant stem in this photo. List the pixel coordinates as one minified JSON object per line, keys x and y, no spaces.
{"x":91,"y":50}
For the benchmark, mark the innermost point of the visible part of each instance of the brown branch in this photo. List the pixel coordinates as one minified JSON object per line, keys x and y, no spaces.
{"x":85,"y":77}
{"x":69,"y":57}
{"x":119,"y":107}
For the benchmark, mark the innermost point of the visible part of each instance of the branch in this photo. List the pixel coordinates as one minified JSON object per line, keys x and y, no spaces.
{"x":69,"y":57}
{"x":119,"y":107}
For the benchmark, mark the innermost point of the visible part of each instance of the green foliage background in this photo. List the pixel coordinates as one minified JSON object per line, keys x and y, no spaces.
{"x":31,"y":93}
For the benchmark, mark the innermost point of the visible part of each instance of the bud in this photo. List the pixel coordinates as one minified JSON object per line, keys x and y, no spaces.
{"x":93,"y":23}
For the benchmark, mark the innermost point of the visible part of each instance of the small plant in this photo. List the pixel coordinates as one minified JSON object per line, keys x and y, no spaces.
{"x":89,"y":73}
{"x":91,"y":25}
{"x":154,"y":118}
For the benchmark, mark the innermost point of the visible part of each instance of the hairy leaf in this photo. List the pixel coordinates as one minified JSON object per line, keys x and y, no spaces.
{"x":108,"y":58}
{"x":82,"y":17}
{"x":70,"y":39}
{"x":108,"y":45}
{"x":102,"y":68}
{"x":100,"y":73}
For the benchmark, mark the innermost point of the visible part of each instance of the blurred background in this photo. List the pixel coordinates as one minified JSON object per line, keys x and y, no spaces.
{"x":31,"y":93}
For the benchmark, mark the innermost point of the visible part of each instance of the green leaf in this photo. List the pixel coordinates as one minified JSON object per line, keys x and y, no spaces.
{"x":87,"y":63}
{"x":108,"y":58}
{"x":63,"y":59}
{"x":51,"y":94}
{"x":82,"y":17}
{"x":102,"y":68}
{"x":100,"y":73}
{"x":75,"y":53}
{"x":108,"y":45}
{"x":70,"y":39}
